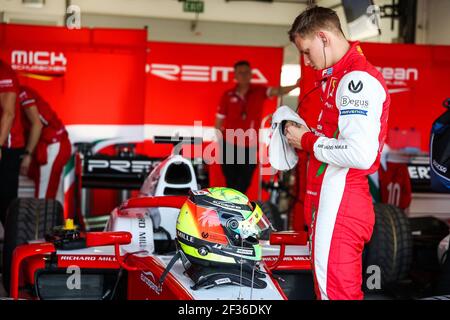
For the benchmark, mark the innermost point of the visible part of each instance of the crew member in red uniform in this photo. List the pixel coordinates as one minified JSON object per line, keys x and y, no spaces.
{"x":239,"y":117}
{"x":11,"y":138}
{"x":391,"y":183}
{"x":343,"y":149}
{"x":395,"y":184}
{"x":48,"y":146}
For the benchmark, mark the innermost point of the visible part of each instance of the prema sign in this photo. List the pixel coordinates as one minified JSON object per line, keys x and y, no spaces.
{"x":186,"y":81}
{"x":172,"y":72}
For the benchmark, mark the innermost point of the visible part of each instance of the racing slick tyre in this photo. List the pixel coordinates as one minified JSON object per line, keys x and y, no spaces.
{"x":273,"y":214}
{"x":27,"y":219}
{"x":443,"y":281}
{"x":390,"y":247}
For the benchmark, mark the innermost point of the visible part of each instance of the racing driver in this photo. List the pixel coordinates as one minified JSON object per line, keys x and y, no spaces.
{"x":343,"y":150}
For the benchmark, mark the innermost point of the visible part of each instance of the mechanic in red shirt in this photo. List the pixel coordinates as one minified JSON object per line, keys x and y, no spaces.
{"x":11,"y":138}
{"x":238,"y":118}
{"x":344,"y":148}
{"x":395,"y":184}
{"x":391,"y":183}
{"x":48,"y":146}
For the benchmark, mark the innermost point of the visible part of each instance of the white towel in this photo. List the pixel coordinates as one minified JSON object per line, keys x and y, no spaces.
{"x":282,"y":156}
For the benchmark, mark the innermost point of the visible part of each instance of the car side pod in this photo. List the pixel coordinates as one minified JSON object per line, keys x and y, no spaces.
{"x":92,"y":239}
{"x":283,"y":238}
{"x":22,"y":252}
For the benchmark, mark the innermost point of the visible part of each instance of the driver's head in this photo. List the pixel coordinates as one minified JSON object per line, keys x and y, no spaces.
{"x":316,"y":32}
{"x":242,"y":72}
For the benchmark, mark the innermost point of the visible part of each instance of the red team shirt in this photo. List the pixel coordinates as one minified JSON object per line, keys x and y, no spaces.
{"x":9,"y":83}
{"x":53,"y":129}
{"x":243,"y":112}
{"x":395,"y":184}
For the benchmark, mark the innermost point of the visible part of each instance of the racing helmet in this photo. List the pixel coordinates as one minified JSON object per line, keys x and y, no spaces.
{"x":220,"y":227}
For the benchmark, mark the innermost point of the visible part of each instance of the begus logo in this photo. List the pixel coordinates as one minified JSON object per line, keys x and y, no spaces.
{"x":195,"y":73}
{"x":42,"y":61}
{"x":345,"y":101}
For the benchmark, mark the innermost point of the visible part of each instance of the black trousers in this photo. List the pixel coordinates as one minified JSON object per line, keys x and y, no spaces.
{"x":9,"y":178}
{"x":238,"y":165}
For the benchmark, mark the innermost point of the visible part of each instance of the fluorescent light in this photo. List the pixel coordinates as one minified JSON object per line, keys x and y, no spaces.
{"x":289,"y":76}
{"x":34,"y":3}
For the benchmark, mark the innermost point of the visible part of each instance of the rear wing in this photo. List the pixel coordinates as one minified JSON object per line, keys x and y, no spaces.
{"x":177,"y":140}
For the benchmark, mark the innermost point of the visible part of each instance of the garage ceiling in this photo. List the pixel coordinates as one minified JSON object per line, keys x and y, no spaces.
{"x":289,"y":1}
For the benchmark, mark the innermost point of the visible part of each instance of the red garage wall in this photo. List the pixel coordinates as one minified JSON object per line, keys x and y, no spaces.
{"x":185,"y":81}
{"x":89,"y":76}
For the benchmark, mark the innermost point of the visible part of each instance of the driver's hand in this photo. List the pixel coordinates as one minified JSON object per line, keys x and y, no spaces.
{"x":288,"y":124}
{"x":25,"y":165}
{"x":294,"y":135}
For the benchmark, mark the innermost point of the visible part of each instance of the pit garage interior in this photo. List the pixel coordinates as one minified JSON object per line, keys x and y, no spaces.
{"x":132,"y":77}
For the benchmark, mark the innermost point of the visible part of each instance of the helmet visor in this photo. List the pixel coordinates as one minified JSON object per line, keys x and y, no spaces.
{"x":255,"y":224}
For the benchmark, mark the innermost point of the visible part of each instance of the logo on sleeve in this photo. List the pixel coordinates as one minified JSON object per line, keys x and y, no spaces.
{"x":356,"y":103}
{"x":355,"y":88}
{"x":348,"y":112}
{"x":6,"y":83}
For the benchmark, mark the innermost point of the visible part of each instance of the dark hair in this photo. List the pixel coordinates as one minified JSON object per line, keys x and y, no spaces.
{"x":242,"y":63}
{"x":313,"y":19}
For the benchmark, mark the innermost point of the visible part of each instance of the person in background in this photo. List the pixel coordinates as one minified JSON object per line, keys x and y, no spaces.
{"x":11,"y":138}
{"x":48,"y":147}
{"x":238,"y":117}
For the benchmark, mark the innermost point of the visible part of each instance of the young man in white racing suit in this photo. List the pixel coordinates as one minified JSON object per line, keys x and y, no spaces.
{"x":343,"y":150}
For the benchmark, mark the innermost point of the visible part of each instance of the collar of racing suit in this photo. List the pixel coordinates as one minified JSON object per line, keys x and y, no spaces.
{"x":342,"y":65}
